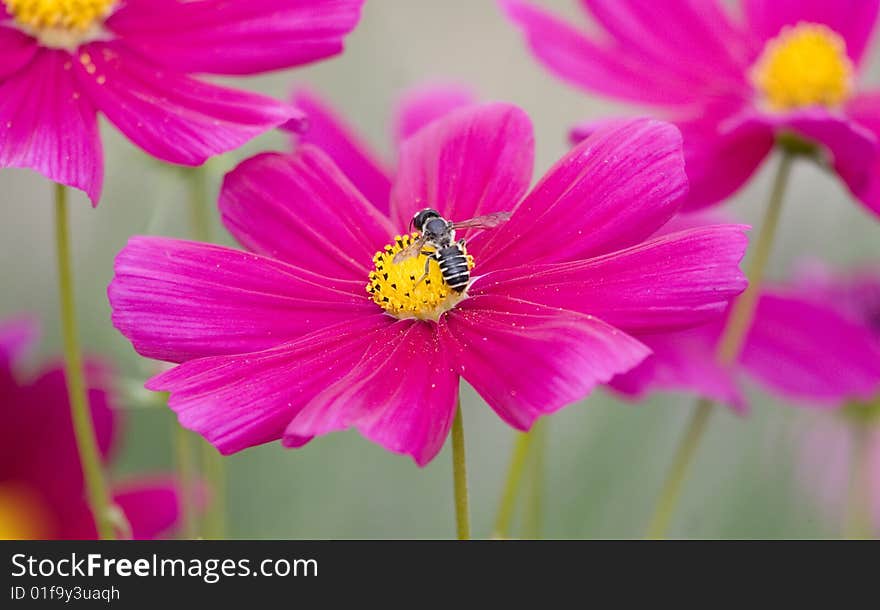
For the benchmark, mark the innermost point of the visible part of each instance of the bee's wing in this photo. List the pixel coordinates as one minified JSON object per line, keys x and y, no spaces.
{"x":489,"y":221}
{"x":414,"y":249}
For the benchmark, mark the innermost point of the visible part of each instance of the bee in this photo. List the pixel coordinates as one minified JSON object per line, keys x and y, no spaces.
{"x":439,"y":233}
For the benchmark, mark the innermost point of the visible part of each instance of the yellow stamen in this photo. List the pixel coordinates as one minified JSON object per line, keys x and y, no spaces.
{"x":805,"y":65}
{"x":23,"y":515}
{"x":60,"y":23}
{"x":395,"y":287}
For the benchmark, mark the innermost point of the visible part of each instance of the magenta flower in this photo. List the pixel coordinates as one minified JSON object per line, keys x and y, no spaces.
{"x":815,"y":342}
{"x":733,"y":86}
{"x":131,"y":60}
{"x":42,"y":494}
{"x":366,"y":168}
{"x":318,"y":329}
{"x":828,"y":447}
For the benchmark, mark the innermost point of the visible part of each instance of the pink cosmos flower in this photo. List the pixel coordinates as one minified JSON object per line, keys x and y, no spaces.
{"x":735,"y":86}
{"x":815,"y":342}
{"x":316,"y":328}
{"x":42,"y":492}
{"x":827,"y":448}
{"x":132,"y":60}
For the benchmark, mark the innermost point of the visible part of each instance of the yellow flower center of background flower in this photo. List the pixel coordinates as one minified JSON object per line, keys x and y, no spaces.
{"x":806,"y":65}
{"x":395,"y":287}
{"x":60,"y":23}
{"x":22,"y":515}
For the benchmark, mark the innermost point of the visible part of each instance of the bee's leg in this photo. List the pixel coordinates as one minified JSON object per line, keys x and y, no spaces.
{"x":427,"y":268}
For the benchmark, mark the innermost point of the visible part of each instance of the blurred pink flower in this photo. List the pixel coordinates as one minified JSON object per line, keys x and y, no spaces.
{"x":733,"y":86}
{"x":131,"y":60}
{"x":360,"y":163}
{"x":815,"y":341}
{"x":828,"y":446}
{"x":284,"y":342}
{"x":826,"y":457}
{"x":41,"y":484}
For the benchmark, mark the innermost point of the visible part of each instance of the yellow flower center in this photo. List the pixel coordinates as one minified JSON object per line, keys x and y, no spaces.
{"x":61,"y":23}
{"x":22,"y":514}
{"x":403,"y":290}
{"x":806,"y":65}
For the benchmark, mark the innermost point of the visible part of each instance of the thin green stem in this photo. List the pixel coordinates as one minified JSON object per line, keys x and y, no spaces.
{"x":858,"y":514}
{"x":77,"y":392}
{"x":459,"y":475}
{"x":533,"y":516}
{"x":512,"y":485}
{"x":213,"y":466}
{"x":183,"y":455}
{"x":215,"y":473}
{"x":729,"y":347}
{"x":199,"y":204}
{"x":743,"y":312}
{"x":684,"y":456}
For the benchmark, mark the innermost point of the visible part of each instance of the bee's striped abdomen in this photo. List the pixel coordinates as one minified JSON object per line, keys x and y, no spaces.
{"x":454,"y":267}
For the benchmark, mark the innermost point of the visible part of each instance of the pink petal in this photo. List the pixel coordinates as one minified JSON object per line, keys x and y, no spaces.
{"x":352,"y":155}
{"x":855,"y":292}
{"x":609,"y":192}
{"x":686,"y":361}
{"x":718,"y":161}
{"x":870,"y":194}
{"x":47,"y":124}
{"x":240,"y":401}
{"x":810,"y":352}
{"x":17,"y":49}
{"x":38,"y":444}
{"x":300,"y":208}
{"x":177,"y":300}
{"x":853,"y":149}
{"x":864,"y":109}
{"x":151,"y":505}
{"x":235,"y":37}
{"x":171,"y":116}
{"x":606,"y":67}
{"x":852,"y":19}
{"x":471,"y":162}
{"x":670,"y":282}
{"x":695,"y":39}
{"x":16,"y":335}
{"x":527,"y":360}
{"x":401,"y":395}
{"x":424,"y":104}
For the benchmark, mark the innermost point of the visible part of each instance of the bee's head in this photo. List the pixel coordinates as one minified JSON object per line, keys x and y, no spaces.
{"x":418,"y":221}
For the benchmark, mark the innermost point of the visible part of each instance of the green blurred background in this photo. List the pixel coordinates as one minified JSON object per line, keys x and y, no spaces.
{"x":606,"y":459}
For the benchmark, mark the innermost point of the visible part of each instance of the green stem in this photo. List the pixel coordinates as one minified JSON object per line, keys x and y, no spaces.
{"x":215,"y":473}
{"x":83,"y":426}
{"x":684,"y":456}
{"x":534,"y":509}
{"x":729,"y":347}
{"x":512,"y":485}
{"x":743,"y":311}
{"x":199,"y":205}
{"x":186,"y":473}
{"x":858,"y":514}
{"x":459,"y":475}
{"x":213,"y":465}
